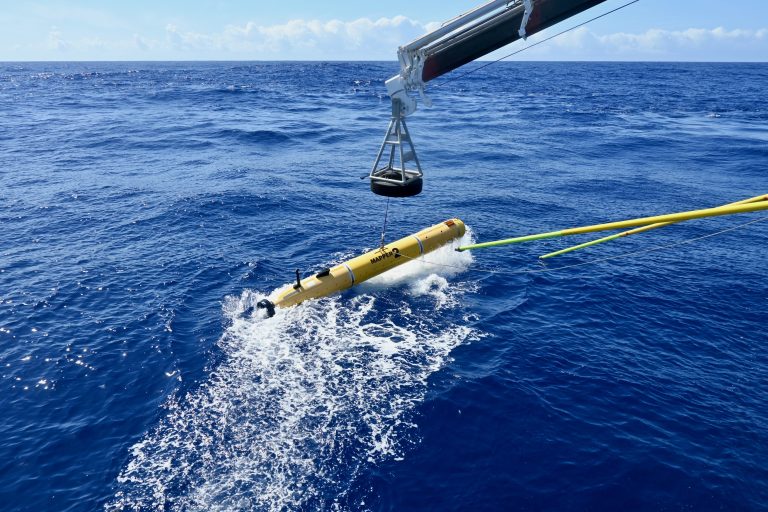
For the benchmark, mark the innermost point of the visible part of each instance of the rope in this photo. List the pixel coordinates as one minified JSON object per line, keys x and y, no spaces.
{"x":599,"y":260}
{"x":384,"y":228}
{"x":448,"y":80}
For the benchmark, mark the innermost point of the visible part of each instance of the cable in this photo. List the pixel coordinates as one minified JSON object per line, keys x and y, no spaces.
{"x":384,"y":229}
{"x":448,"y":80}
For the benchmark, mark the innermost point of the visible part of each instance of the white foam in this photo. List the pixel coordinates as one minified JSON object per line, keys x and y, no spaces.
{"x":429,"y":274}
{"x":444,"y":261}
{"x":302,"y":401}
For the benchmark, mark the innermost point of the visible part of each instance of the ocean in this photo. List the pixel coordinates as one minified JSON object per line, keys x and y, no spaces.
{"x":146,"y":208}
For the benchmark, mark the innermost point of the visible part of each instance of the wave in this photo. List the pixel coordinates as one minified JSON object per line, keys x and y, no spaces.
{"x":254,"y":136}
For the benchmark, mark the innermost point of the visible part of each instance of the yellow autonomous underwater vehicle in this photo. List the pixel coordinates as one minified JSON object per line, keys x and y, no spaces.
{"x":359,"y":269}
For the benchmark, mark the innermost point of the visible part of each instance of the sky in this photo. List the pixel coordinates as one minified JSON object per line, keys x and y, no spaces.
{"x":143,"y":30}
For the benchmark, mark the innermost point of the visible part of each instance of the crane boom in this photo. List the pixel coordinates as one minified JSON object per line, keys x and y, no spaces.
{"x":457,"y":42}
{"x":509,"y":25}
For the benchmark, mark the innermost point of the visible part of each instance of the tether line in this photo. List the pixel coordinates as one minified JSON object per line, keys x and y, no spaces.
{"x":384,"y":228}
{"x":448,"y":80}
{"x":592,"y":262}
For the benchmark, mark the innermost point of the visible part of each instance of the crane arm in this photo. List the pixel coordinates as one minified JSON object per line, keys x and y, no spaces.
{"x":470,"y":36}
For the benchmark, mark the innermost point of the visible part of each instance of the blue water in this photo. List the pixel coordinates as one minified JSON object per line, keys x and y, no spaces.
{"x":145,"y":208}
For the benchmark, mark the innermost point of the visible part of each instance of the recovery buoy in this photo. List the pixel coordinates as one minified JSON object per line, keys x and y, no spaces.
{"x":408,"y":188}
{"x":364,"y":267}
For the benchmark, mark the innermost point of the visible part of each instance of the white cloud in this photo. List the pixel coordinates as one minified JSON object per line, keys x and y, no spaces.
{"x":655,"y":44}
{"x":55,"y":40}
{"x":179,"y":40}
{"x":305,"y":39}
{"x":378,"y":39}
{"x":366,"y":38}
{"x":360,"y":39}
{"x":666,"y":40}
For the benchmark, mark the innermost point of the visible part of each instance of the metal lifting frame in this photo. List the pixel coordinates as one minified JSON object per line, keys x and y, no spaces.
{"x":400,"y":145}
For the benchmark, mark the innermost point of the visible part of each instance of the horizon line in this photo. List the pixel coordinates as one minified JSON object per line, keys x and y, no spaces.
{"x":393,"y":61}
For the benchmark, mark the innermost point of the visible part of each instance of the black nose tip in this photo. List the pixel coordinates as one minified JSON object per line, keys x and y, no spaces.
{"x":266,"y":304}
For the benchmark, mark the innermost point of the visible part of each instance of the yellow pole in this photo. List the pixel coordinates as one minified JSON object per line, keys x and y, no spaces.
{"x":637,"y":231}
{"x":671,"y":217}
